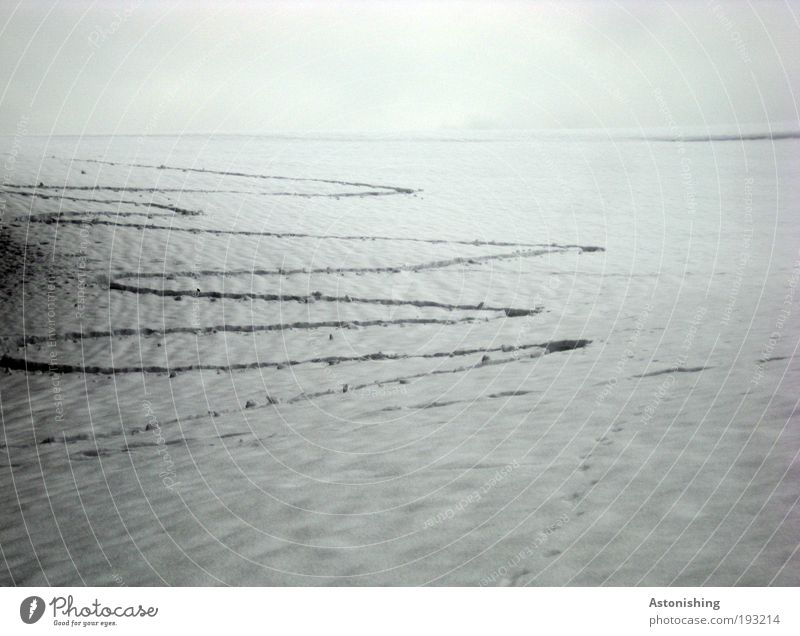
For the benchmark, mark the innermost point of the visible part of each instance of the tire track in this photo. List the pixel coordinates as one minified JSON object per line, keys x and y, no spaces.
{"x":106,"y":188}
{"x":150,"y":204}
{"x":333,"y":237}
{"x":57,"y":217}
{"x":652,"y":374}
{"x":544,"y":349}
{"x":554,"y":346}
{"x":317,"y":297}
{"x":24,"y":364}
{"x":389,"y":269}
{"x":227,"y":173}
{"x":213,"y":330}
{"x":436,"y":404}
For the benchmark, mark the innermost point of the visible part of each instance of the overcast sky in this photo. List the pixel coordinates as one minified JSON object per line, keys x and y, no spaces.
{"x":141,"y":66}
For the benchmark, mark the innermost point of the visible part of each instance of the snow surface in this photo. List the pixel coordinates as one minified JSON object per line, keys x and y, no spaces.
{"x":466,"y":359}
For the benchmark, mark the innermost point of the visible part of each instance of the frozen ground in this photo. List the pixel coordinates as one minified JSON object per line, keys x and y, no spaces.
{"x":473,"y":360}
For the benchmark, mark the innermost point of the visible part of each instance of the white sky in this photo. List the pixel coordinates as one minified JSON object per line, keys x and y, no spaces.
{"x":140,"y":66}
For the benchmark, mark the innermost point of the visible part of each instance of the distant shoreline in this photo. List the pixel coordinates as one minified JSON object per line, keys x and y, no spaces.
{"x":466,"y":136}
